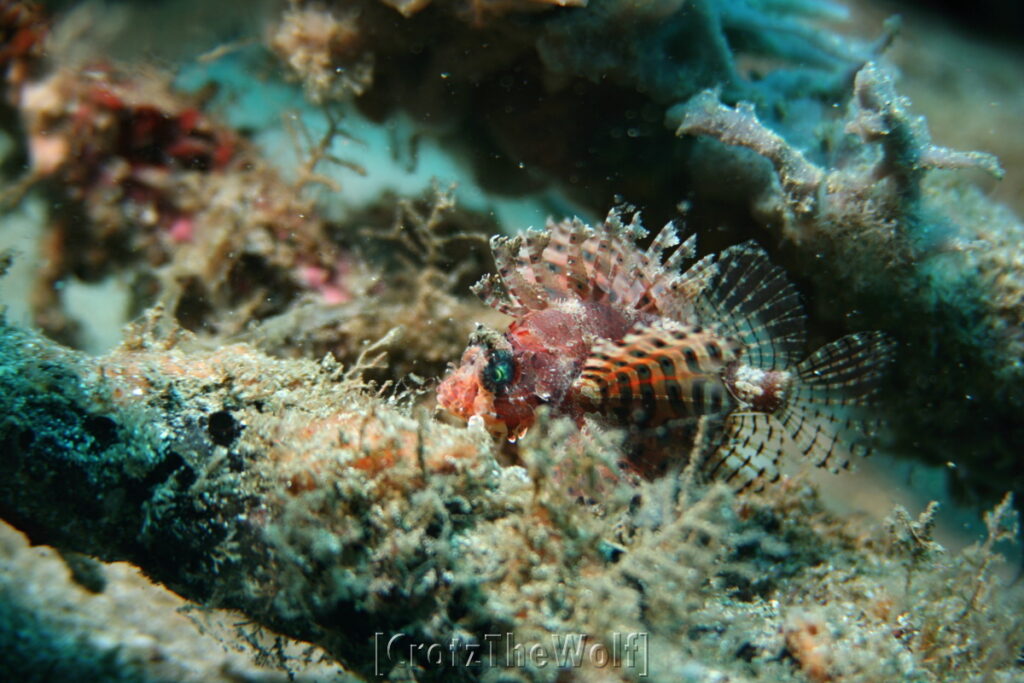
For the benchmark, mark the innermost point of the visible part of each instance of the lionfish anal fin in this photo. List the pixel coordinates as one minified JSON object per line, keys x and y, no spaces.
{"x":658,"y":373}
{"x":748,"y":455}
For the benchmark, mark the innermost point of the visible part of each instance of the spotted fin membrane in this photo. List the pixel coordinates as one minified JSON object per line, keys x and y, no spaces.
{"x":821,"y":416}
{"x":752,"y":299}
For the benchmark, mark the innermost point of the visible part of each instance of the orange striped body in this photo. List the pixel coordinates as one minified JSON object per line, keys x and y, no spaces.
{"x":657,"y":375}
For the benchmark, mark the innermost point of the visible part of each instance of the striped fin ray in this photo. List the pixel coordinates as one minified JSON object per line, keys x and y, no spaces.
{"x":624,"y":274}
{"x":687,"y":251}
{"x":649,"y":261}
{"x":612,"y":257}
{"x":666,"y":238}
{"x":656,"y":374}
{"x":675,"y":295}
{"x":824,"y":415}
{"x":848,"y":371}
{"x":669,"y":292}
{"x":601,"y":263}
{"x":535,"y":242}
{"x":752,"y":299}
{"x":748,"y":456}
{"x":565,"y":255}
{"x":491,"y":290}
{"x":512,"y":271}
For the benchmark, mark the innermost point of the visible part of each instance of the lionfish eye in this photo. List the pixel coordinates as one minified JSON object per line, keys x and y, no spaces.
{"x":499,"y":371}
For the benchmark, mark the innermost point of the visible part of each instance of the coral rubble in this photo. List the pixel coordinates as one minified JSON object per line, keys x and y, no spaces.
{"x":287,"y":490}
{"x":143,"y":178}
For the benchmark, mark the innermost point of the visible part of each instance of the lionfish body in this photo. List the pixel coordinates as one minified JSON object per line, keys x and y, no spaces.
{"x":602,"y":327}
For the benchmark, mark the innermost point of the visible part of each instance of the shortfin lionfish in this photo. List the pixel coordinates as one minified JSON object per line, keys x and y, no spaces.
{"x":603,"y":327}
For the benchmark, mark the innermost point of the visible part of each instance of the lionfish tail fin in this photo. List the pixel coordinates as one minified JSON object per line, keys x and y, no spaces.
{"x":748,"y":455}
{"x":827,"y":414}
{"x":751,"y":299}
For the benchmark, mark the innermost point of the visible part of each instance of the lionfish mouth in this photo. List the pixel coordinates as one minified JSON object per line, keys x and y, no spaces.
{"x":464,"y":396}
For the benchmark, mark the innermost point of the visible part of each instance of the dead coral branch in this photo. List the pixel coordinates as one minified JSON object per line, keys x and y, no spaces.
{"x":877,"y":116}
{"x":913,"y":251}
{"x":704,"y":114}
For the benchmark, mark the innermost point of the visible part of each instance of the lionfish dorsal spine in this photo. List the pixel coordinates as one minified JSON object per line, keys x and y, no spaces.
{"x":686,"y":251}
{"x":566,"y":257}
{"x":675,"y":294}
{"x":506,"y":257}
{"x":491,"y":290}
{"x":570,"y":260}
{"x":666,"y":238}
{"x":544,"y":272}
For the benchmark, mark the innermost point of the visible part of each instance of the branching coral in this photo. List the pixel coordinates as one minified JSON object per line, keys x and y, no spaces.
{"x":812,"y":195}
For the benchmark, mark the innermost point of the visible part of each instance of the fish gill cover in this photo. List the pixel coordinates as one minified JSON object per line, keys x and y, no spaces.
{"x":291,"y":207}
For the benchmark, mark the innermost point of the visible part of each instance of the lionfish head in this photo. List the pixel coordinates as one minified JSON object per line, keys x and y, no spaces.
{"x":488,"y":384}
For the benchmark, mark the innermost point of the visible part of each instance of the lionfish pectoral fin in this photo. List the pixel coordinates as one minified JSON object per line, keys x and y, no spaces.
{"x":826,"y":413}
{"x":751,"y":298}
{"x":748,"y":454}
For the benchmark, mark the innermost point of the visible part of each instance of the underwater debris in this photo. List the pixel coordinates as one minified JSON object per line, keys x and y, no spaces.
{"x":601,"y":327}
{"x":323,"y":48}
